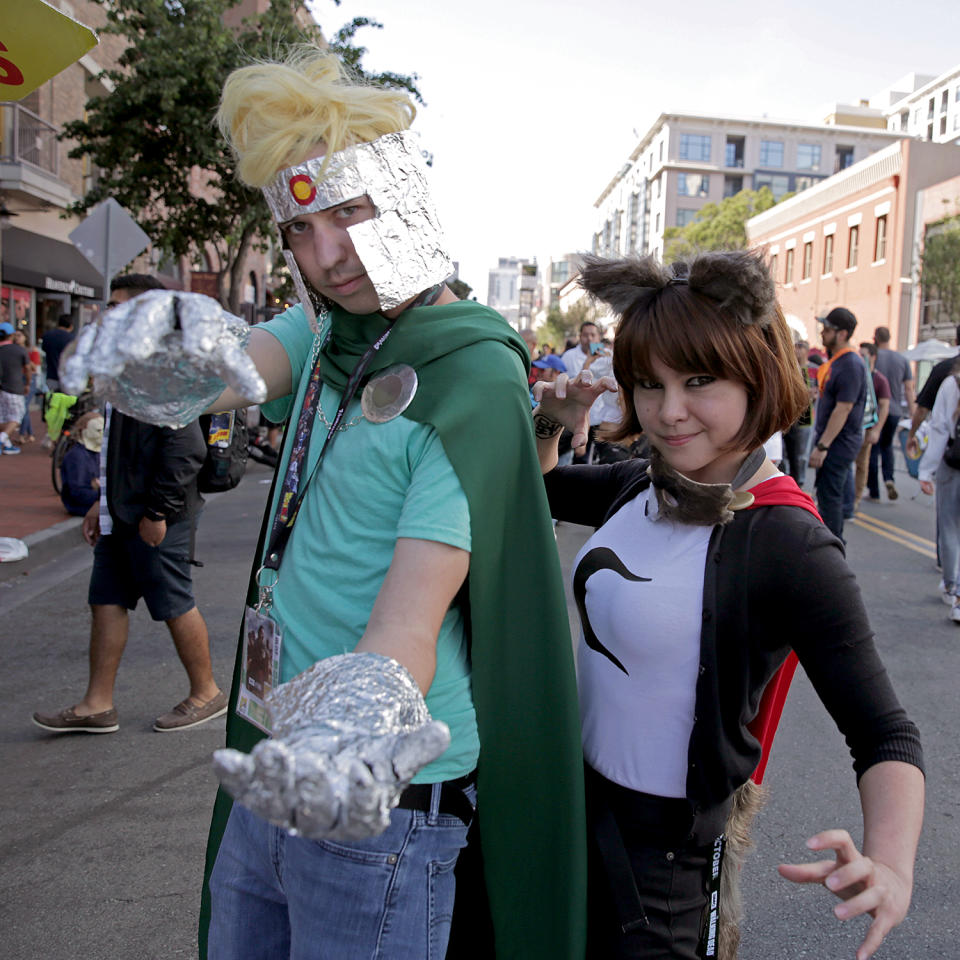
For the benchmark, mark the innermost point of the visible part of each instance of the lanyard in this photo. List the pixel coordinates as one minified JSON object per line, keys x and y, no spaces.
{"x":293,"y":492}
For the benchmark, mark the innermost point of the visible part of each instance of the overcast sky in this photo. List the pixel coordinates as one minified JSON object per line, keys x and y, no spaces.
{"x":533,"y":106}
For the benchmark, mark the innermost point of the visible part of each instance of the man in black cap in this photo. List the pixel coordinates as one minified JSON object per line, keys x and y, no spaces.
{"x":838,"y":431}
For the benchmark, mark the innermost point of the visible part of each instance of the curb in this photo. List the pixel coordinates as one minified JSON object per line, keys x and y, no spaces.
{"x":45,"y":545}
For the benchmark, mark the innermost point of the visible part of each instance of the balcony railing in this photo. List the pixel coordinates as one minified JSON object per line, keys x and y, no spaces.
{"x":31,"y":139}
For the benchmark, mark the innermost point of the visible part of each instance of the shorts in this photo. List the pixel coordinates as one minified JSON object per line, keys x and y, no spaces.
{"x":12,"y":407}
{"x":126,"y":569}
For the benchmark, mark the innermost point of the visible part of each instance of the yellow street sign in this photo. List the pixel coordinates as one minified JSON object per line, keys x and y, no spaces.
{"x":36,"y":43}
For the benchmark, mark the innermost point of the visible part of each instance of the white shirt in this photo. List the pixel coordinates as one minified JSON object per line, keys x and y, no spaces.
{"x":941,"y":424}
{"x":637,"y":717}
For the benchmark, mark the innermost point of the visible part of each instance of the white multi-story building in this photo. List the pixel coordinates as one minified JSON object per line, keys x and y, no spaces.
{"x":512,"y":290}
{"x":919,"y":105}
{"x":685,"y":161}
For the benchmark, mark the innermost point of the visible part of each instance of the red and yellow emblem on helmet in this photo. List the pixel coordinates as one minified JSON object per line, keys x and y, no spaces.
{"x":302,"y":189}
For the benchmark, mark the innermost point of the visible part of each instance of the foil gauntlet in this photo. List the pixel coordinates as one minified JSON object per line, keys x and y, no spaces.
{"x":348,"y":736}
{"x":164,"y":357}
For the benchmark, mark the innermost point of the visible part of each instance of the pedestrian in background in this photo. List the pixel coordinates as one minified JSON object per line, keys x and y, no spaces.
{"x":53,"y":343}
{"x":80,"y":469}
{"x":34,"y":388}
{"x":796,"y":440}
{"x":838,"y":429}
{"x":881,"y":389}
{"x":940,"y":473}
{"x":142,"y":528}
{"x":896,"y":368}
{"x":14,"y":377}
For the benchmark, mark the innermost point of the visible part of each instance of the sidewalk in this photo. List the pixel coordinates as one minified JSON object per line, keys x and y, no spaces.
{"x":30,"y":509}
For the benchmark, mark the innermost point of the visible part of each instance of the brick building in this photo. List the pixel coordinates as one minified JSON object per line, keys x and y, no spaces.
{"x":43,"y":275}
{"x":853,"y":240}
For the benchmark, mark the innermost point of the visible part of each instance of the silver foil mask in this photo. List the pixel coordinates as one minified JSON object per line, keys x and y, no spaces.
{"x":402,"y":248}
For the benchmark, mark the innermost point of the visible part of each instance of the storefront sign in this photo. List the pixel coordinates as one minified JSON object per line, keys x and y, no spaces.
{"x":68,"y":286}
{"x":36,"y":43}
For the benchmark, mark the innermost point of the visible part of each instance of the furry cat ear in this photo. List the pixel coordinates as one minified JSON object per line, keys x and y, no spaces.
{"x":740,"y":283}
{"x":622,"y":283}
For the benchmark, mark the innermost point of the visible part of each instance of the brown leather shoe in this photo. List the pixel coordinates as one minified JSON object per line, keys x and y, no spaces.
{"x":188,"y":714}
{"x":67,"y":721}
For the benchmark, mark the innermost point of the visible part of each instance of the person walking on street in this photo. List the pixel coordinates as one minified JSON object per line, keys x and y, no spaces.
{"x":896,"y":368}
{"x":881,"y":389}
{"x":939,"y":473}
{"x":838,"y":430}
{"x":142,"y":529}
{"x":53,"y":343}
{"x":14,"y":379}
{"x":796,"y":440}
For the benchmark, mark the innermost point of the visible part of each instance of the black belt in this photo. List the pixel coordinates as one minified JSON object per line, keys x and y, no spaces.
{"x":453,"y":801}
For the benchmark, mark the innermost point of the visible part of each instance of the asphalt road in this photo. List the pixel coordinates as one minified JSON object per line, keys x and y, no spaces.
{"x":102,"y":841}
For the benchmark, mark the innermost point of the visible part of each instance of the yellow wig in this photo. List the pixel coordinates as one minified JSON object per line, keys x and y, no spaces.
{"x":274,"y":114}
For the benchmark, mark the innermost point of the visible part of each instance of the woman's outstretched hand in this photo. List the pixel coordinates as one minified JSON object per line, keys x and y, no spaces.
{"x":568,"y":402}
{"x":864,"y":884}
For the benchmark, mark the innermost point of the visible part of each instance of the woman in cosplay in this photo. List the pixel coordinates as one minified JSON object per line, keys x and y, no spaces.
{"x":681,"y":593}
{"x":416,"y":692}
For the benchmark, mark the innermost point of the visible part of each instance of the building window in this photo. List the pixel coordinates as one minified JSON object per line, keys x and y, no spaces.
{"x":685,"y":216}
{"x":943,"y":125}
{"x":904,"y":120}
{"x":778,"y":183}
{"x":917,"y":116}
{"x":695,"y":146}
{"x":807,"y":260}
{"x":801,"y":183}
{"x":957,"y":95}
{"x":828,"y":255}
{"x":733,"y":152}
{"x":788,"y":273}
{"x":659,"y":186}
{"x":692,"y":185}
{"x":956,"y":119}
{"x":931,"y":107}
{"x":656,"y":229}
{"x":771,"y":153}
{"x":852,"y":247}
{"x":844,"y":158}
{"x":661,"y":150}
{"x":773,"y":267}
{"x":880,"y":246}
{"x":733,"y":185}
{"x":808,"y":156}
{"x":944,"y":100}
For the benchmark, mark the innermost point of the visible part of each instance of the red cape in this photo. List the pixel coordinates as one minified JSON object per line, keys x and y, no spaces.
{"x":777,"y":491}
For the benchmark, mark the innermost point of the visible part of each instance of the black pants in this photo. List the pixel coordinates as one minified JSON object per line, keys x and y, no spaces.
{"x":670,"y":859}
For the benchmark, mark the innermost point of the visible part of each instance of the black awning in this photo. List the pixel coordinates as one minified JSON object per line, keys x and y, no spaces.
{"x":41,"y":262}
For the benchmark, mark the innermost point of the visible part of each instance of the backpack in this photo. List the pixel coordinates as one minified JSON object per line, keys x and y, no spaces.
{"x":226,"y":459}
{"x":871,"y":410}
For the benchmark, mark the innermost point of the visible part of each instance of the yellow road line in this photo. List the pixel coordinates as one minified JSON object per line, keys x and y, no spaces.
{"x":889,"y":536}
{"x":894,"y":529}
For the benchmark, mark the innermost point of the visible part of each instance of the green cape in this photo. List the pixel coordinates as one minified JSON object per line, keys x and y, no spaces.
{"x":530,"y":772}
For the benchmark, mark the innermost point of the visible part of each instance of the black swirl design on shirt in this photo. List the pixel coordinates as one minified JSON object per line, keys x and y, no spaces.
{"x":600,"y":558}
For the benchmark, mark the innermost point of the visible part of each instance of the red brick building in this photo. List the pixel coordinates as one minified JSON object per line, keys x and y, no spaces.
{"x":852,"y":240}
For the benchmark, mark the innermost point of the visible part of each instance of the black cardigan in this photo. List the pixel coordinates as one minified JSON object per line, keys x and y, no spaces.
{"x":764,"y":564}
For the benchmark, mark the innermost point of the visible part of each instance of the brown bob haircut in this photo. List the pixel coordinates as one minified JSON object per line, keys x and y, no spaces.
{"x":715,"y":314}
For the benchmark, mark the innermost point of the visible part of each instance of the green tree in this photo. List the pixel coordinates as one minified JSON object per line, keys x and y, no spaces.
{"x":563,"y":325}
{"x":153,"y":135}
{"x":940,"y":270}
{"x":717,"y":226}
{"x":460,"y":289}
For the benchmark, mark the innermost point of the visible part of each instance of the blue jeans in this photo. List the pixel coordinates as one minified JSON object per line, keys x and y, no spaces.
{"x":947,"y":492}
{"x":274,"y":896}
{"x":832,"y":480}
{"x":881,"y":456}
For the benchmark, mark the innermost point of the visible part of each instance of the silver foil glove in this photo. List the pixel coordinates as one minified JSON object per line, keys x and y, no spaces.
{"x":164,"y":357}
{"x":348,"y":736}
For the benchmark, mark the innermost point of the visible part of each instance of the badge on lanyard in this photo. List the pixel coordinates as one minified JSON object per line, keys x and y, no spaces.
{"x":389,"y":393}
{"x":259,"y":666}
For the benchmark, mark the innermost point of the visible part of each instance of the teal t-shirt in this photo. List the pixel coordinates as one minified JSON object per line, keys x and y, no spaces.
{"x":378,"y":482}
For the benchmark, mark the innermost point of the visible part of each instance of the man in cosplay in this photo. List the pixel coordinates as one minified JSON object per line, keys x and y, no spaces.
{"x":416,"y":690}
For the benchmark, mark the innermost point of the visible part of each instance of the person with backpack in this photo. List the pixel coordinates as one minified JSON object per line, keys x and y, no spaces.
{"x":142,"y":529}
{"x":940,"y":471}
